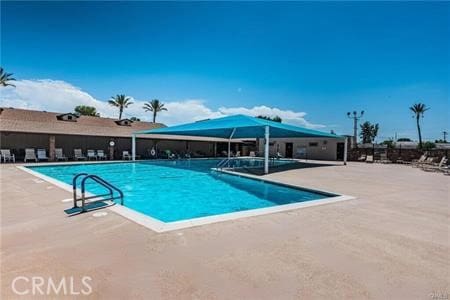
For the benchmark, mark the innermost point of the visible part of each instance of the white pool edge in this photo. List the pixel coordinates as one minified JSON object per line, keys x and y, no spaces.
{"x":159,"y":226}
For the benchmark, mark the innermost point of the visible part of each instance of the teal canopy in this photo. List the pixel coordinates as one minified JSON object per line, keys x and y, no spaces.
{"x":239,"y":127}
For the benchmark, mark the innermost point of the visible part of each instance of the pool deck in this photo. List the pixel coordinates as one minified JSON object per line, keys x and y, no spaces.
{"x":392,"y":241}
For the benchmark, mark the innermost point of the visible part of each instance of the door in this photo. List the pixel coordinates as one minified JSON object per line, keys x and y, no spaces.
{"x":289,"y":150}
{"x":340,"y":151}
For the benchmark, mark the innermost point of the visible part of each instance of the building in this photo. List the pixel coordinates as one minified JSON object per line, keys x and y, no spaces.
{"x":21,"y":128}
{"x":306,"y":148}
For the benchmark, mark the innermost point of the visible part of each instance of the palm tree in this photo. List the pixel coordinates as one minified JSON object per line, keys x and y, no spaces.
{"x":120,"y":101}
{"x":419,"y":109}
{"x":5,"y":78}
{"x":155,"y":106}
{"x":368,"y":132}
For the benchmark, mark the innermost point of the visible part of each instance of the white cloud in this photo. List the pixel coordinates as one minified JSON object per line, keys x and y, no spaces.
{"x":288,"y":116}
{"x":60,"y":96}
{"x":50,"y":95}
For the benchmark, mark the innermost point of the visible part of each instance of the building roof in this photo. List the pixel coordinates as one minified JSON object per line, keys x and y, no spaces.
{"x":32,"y":121}
{"x":238,"y":127}
{"x":41,"y":122}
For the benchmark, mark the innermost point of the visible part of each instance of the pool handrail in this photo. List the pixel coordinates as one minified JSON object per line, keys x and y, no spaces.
{"x":110,"y":187}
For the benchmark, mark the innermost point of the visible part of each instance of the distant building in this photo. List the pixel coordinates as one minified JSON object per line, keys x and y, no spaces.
{"x":21,"y":128}
{"x":306,"y":148}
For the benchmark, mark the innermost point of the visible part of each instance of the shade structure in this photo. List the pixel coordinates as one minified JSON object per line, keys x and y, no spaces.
{"x":243,"y":127}
{"x":240,"y":127}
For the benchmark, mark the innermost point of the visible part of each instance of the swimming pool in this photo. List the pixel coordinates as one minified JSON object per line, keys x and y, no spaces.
{"x":178,"y":190}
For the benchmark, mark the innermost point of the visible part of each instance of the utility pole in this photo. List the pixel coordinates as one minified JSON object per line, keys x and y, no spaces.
{"x":445,"y":136}
{"x":355,"y":118}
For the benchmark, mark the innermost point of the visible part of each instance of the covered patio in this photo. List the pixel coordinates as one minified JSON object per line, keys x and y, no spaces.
{"x":239,"y":127}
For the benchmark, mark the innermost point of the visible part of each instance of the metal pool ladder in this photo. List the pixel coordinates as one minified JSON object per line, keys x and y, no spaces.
{"x":96,"y":201}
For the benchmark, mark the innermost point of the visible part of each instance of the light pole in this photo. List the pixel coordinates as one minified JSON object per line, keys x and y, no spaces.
{"x":355,"y":118}
{"x":444,"y":133}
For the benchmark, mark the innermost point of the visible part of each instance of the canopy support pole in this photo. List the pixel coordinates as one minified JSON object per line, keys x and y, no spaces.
{"x":266,"y":150}
{"x":229,"y":143}
{"x":345,"y":151}
{"x":133,"y":147}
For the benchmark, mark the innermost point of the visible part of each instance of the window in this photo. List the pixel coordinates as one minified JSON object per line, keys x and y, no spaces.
{"x":313,"y":144}
{"x":124,"y":122}
{"x":67,"y":117}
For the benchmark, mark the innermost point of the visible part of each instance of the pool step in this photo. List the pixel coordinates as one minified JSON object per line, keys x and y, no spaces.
{"x":88,"y":207}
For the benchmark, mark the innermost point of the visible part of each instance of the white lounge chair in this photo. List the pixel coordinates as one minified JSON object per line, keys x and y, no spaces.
{"x":430,"y":161}
{"x":7,"y":156}
{"x":101,"y":155}
{"x":442,"y":166}
{"x":384,"y":159}
{"x":30,"y":155}
{"x":418,"y":162}
{"x":41,"y":154}
{"x":91,"y":155}
{"x":369,"y":159}
{"x":252,"y":154}
{"x":78,"y":154}
{"x":59,"y":155}
{"x":126,"y":155}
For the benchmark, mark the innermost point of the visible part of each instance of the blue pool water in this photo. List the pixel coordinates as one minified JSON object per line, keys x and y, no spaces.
{"x":182,"y":189}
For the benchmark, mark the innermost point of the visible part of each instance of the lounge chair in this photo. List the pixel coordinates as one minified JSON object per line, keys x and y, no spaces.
{"x":384,"y":159}
{"x":59,"y":155}
{"x":442,"y":166}
{"x":41,"y":154}
{"x":7,"y":156}
{"x":238,"y":154}
{"x":126,"y":155}
{"x":30,"y":155}
{"x":400,"y":160}
{"x":101,"y":155}
{"x":252,"y":154}
{"x":91,"y":155}
{"x":417,"y":162}
{"x":78,"y":155}
{"x":362,"y":157}
{"x":428,"y":162}
{"x":369,"y":159}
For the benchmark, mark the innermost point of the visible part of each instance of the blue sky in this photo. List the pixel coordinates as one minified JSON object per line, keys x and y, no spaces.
{"x":322,"y":58}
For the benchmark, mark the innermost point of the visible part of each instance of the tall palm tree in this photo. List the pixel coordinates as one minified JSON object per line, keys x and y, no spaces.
{"x":5,"y":78}
{"x":120,"y":101}
{"x":419,"y":109}
{"x":368,"y":132}
{"x":155,"y":106}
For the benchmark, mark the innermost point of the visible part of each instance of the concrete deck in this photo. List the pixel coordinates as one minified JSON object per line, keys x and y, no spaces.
{"x":390,"y":242}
